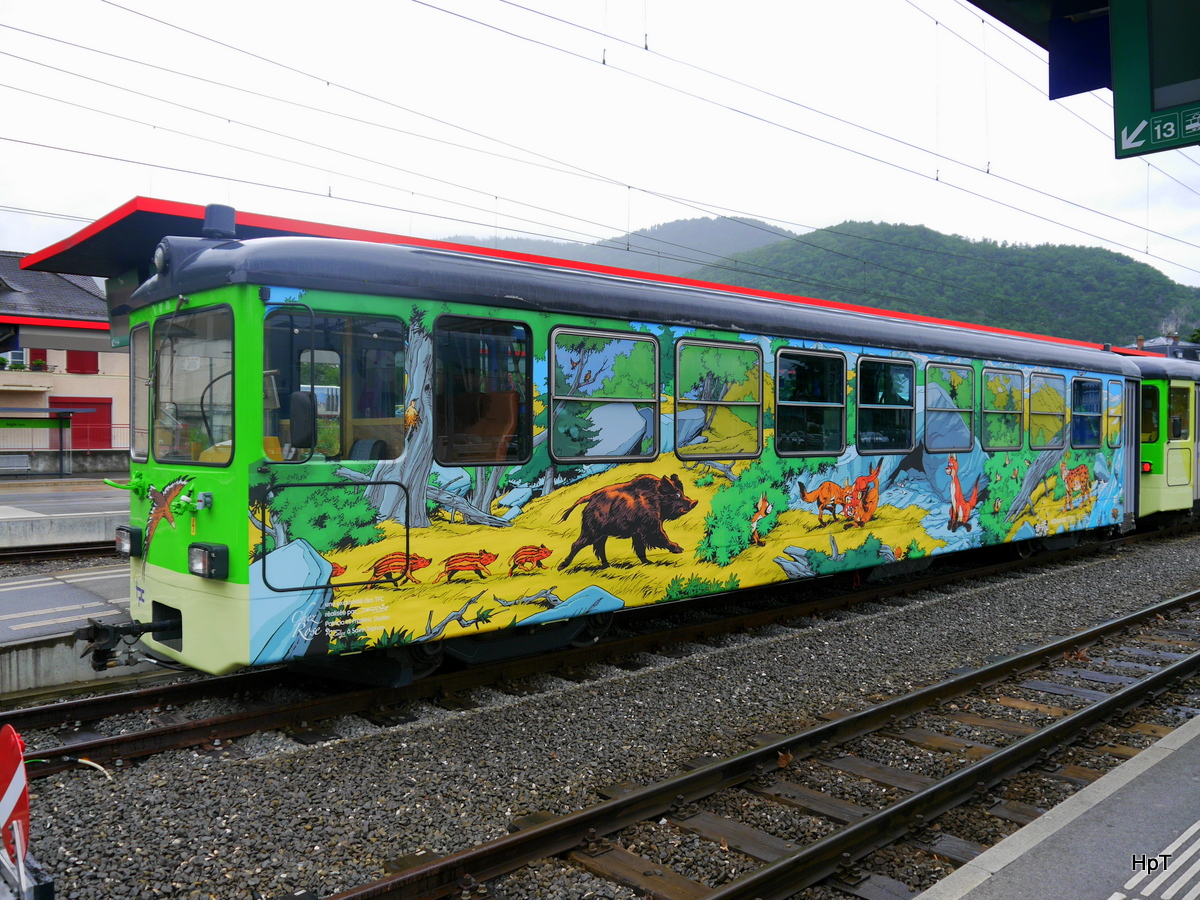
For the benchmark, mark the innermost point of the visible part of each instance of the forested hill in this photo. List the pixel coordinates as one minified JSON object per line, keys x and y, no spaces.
{"x":1067,"y":291}
{"x":672,"y":248}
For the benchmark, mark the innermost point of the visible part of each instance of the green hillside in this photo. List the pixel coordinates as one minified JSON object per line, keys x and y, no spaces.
{"x":1076,"y":292}
{"x":672,"y":248}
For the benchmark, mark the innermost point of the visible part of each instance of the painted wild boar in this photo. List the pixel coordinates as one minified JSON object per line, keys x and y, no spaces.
{"x":636,"y":510}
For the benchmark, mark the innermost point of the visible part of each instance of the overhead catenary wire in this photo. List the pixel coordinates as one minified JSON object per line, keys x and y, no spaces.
{"x":937,"y":177}
{"x":550,"y":162}
{"x":985,"y":170}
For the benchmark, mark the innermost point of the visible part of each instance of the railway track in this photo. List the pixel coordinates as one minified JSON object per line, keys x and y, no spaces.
{"x":592,"y":837}
{"x":166,"y":729}
{"x":23,"y":555}
{"x":431,"y":783}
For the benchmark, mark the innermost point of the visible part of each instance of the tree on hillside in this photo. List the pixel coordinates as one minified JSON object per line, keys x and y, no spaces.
{"x":1085,"y":293}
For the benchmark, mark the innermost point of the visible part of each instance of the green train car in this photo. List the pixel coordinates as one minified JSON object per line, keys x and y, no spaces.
{"x":368,"y":456}
{"x":1168,"y":414}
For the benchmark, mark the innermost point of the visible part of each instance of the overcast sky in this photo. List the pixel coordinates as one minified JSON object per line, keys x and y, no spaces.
{"x":578,"y":120}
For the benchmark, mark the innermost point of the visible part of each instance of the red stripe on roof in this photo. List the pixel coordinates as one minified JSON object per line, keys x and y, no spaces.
{"x":316,"y":229}
{"x":53,"y":323}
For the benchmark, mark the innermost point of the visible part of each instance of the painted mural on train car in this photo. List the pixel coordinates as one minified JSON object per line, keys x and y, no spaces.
{"x":665,"y":462}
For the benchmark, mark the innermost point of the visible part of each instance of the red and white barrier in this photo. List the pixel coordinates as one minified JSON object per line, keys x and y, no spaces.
{"x":14,"y":795}
{"x":18,"y":870}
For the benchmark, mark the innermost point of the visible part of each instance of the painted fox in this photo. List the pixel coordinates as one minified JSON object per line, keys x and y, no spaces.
{"x":960,"y":505}
{"x":828,"y":496}
{"x":761,"y":511}
{"x":862,"y":498}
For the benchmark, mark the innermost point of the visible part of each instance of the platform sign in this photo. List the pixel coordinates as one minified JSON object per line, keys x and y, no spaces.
{"x":1156,"y":75}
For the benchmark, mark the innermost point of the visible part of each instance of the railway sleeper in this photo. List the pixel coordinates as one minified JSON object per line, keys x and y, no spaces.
{"x":870,"y":886}
{"x":948,"y":846}
{"x":602,"y":857}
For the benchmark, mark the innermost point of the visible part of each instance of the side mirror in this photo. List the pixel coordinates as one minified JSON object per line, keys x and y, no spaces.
{"x":304,"y":420}
{"x":1176,"y":427}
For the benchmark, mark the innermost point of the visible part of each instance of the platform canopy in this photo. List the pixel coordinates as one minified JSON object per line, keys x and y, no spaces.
{"x":1073,"y":32}
{"x":121,"y":244}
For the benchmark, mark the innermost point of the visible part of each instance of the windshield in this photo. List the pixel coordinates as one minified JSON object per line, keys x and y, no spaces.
{"x":193,"y":380}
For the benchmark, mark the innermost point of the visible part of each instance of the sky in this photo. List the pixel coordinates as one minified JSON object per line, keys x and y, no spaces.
{"x":577,"y":121}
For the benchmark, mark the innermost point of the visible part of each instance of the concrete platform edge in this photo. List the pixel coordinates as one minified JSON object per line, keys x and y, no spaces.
{"x":50,"y":662}
{"x":972,"y":874}
{"x":45,"y":531}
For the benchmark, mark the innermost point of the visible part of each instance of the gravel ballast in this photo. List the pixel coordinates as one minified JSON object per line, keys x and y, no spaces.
{"x":327,"y":817}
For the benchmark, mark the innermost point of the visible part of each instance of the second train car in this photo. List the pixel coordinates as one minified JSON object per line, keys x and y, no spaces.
{"x":376,"y":454}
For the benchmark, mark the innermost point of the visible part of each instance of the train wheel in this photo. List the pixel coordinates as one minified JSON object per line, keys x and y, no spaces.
{"x":1025,"y":549}
{"x":426,"y":657}
{"x":597,"y":626}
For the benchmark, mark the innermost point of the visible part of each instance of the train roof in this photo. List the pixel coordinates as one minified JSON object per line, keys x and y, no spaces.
{"x":1167,"y":367}
{"x":529,"y":284}
{"x":291,"y":253}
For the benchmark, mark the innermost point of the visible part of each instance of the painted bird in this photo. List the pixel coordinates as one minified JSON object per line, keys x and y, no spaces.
{"x":412,"y":417}
{"x":160,"y":508}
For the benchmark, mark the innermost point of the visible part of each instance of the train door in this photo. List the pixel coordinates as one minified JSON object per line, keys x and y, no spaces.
{"x":331,"y":483}
{"x":1196,"y":454}
{"x":1180,"y":456}
{"x":1127,"y":433}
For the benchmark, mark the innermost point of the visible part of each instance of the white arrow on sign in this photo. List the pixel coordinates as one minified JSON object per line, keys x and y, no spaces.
{"x":1130,"y":141}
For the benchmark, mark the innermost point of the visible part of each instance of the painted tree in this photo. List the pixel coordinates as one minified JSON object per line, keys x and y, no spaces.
{"x":413,"y":467}
{"x":575,"y":370}
{"x":707,"y":373}
{"x":286,"y":508}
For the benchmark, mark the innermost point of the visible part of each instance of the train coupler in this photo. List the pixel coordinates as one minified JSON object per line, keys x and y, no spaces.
{"x":103,"y":639}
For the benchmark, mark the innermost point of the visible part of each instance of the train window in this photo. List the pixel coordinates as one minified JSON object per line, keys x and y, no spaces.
{"x":949,"y":408}
{"x":885,"y":406}
{"x":810,"y":404}
{"x":1149,"y":414}
{"x":352,"y":368}
{"x":718,"y":400}
{"x":1086,"y":410}
{"x":320,"y":373}
{"x":139,"y":392}
{"x":482,"y":392}
{"x":1116,"y":413}
{"x":193,"y":387}
{"x":604,"y":396}
{"x":1047,"y":411}
{"x":1178,"y":406}
{"x":1003,"y":409}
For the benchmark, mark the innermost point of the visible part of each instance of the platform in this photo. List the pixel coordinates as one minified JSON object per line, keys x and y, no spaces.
{"x":52,"y":511}
{"x":1135,"y":833}
{"x":39,"y":613}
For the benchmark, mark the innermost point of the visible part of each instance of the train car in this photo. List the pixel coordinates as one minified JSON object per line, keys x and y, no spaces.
{"x":367,"y":456}
{"x":1168,"y":486}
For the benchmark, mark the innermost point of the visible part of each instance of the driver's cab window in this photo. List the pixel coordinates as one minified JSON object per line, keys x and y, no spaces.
{"x":193,"y":387}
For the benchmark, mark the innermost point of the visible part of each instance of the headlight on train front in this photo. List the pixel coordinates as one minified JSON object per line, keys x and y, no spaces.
{"x":208,"y":560}
{"x":129,"y":540}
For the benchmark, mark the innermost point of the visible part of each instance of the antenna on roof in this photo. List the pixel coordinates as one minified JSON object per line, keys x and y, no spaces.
{"x":219,"y":222}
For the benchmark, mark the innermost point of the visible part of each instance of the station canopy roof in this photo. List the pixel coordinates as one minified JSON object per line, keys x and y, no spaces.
{"x":122,"y":242}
